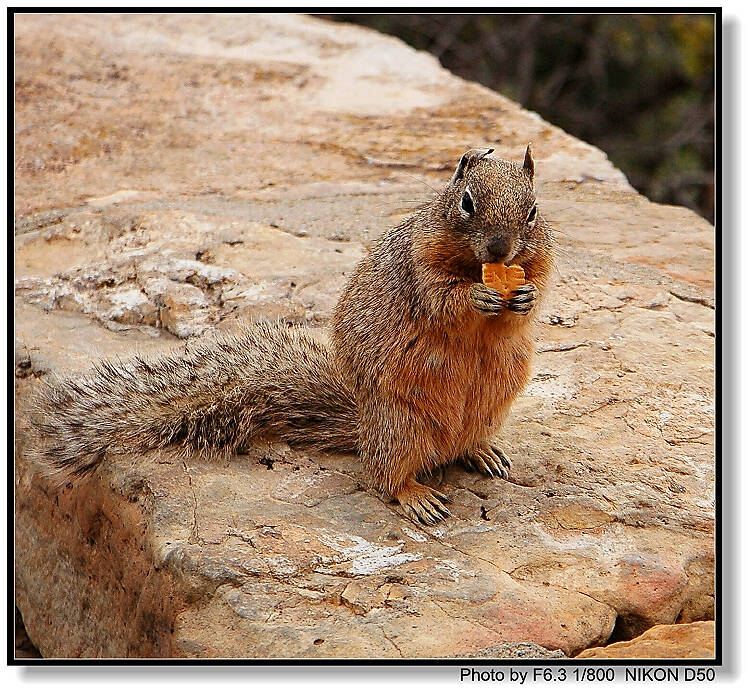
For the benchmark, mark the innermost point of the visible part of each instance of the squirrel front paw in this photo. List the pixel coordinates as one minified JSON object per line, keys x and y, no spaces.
{"x":486,"y":300}
{"x":524,"y":298}
{"x":490,"y":301}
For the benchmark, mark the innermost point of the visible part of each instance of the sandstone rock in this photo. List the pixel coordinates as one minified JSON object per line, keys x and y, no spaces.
{"x":24,"y":648}
{"x":696,"y":640}
{"x":234,"y":169}
{"x":518,"y":651}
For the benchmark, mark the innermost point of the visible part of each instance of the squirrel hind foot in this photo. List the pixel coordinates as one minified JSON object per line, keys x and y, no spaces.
{"x":422,"y":504}
{"x":488,"y":459}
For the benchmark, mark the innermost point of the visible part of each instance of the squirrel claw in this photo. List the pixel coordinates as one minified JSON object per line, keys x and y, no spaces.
{"x":524,"y":298}
{"x":489,"y":301}
{"x":486,"y":300}
{"x":502,"y":458}
{"x":423,"y":504}
{"x":489,"y":460}
{"x":445,"y":499}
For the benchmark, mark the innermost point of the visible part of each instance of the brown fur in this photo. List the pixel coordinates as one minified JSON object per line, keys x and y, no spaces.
{"x":420,"y":373}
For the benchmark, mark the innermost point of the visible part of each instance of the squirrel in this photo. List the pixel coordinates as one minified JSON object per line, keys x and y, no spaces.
{"x":423,"y":363}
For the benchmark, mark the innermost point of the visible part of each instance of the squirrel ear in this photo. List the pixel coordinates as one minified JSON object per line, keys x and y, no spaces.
{"x":528,"y":163}
{"x":471,"y":155}
{"x":461,"y":167}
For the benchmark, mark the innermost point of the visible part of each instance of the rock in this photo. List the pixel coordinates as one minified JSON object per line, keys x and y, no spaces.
{"x":133,"y":307}
{"x":663,"y":641}
{"x":518,"y":651}
{"x":24,"y":648}
{"x":234,"y":170}
{"x":183,"y":308}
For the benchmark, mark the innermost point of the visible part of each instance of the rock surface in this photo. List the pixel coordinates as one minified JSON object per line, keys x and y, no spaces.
{"x":696,"y":640}
{"x":178,"y":173}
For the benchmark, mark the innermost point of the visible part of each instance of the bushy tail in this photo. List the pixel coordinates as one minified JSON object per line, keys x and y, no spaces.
{"x":212,"y":395}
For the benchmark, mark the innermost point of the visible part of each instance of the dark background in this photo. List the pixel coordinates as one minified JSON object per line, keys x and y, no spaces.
{"x":639,"y":87}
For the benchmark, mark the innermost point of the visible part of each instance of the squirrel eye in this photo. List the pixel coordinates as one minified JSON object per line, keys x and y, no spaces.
{"x":467,"y":203}
{"x":532,"y":215}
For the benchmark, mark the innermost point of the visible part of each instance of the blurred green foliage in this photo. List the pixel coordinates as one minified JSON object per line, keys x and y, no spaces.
{"x":640,"y":87}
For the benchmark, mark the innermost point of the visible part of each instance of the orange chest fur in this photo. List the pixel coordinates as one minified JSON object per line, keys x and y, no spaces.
{"x":463,"y":382}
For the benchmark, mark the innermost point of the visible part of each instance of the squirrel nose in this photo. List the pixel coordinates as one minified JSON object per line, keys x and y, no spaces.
{"x":499,"y":247}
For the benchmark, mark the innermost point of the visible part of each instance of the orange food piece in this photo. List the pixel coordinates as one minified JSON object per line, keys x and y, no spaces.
{"x":504,"y":279}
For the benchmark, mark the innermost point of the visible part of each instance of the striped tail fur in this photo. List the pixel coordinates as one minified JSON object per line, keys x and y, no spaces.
{"x":214,"y":395}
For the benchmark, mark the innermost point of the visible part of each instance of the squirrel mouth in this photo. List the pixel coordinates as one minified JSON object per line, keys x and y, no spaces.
{"x":515,"y":250}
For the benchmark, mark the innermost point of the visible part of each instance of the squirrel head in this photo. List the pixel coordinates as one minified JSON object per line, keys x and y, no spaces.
{"x":491,"y":203}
